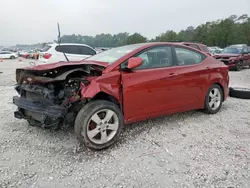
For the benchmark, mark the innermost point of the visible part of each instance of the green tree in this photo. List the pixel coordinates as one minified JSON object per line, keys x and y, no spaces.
{"x":136,"y":38}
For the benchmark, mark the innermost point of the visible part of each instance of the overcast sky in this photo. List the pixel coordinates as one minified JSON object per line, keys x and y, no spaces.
{"x":33,"y":21}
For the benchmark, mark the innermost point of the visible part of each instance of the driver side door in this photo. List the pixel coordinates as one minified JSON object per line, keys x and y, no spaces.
{"x":149,"y":90}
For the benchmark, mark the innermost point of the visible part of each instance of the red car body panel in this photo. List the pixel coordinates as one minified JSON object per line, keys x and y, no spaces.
{"x":62,"y":64}
{"x":148,"y":93}
{"x":170,"y":90}
{"x":107,"y":83}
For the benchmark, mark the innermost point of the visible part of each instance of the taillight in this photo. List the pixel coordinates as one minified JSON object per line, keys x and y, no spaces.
{"x":47,"y":56}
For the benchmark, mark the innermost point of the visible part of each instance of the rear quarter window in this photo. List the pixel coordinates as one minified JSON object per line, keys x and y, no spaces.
{"x":205,"y":48}
{"x":188,"y":57}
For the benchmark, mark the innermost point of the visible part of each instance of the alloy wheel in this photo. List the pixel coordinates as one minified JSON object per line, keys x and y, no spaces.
{"x":214,"y":98}
{"x":102,"y":126}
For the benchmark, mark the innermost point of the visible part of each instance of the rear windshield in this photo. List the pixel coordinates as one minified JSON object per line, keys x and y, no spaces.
{"x":46,"y":48}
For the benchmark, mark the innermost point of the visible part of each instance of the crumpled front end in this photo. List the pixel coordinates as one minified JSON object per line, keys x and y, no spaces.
{"x":51,"y":98}
{"x":228,"y":60}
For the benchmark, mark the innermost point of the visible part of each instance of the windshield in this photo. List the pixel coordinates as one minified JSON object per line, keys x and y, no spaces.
{"x":231,"y":51}
{"x":114,"y":54}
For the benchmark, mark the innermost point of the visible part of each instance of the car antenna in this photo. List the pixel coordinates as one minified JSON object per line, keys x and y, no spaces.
{"x":59,"y":40}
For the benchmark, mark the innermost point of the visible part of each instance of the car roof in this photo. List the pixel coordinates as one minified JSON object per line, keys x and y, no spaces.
{"x":62,"y":44}
{"x":193,"y":43}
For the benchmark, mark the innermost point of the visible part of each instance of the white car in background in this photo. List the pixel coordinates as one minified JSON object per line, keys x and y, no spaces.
{"x":52,"y":53}
{"x":8,"y":55}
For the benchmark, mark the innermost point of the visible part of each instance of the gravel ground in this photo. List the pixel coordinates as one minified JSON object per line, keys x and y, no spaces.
{"x":189,"y":149}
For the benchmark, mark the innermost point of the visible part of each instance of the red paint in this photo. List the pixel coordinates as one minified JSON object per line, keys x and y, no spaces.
{"x":233,"y":59}
{"x":25,"y":56}
{"x":47,"y":56}
{"x":134,"y":62}
{"x":62,"y":64}
{"x":148,"y":93}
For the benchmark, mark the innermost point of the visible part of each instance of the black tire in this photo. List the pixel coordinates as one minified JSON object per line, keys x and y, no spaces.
{"x":241,"y":93}
{"x":207,"y":109}
{"x":83,"y":117}
{"x":239,"y":66}
{"x":12,"y":57}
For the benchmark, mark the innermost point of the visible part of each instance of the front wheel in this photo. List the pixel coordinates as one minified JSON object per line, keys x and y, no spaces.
{"x":214,"y":98}
{"x":239,"y":66}
{"x":12,"y":57}
{"x":99,"y":124}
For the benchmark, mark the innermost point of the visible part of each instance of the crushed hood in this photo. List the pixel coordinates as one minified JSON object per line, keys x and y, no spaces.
{"x":59,"y":71}
{"x":62,"y":64}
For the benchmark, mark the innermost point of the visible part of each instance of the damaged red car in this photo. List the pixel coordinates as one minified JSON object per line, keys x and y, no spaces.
{"x":235,"y":56}
{"x":101,"y":94}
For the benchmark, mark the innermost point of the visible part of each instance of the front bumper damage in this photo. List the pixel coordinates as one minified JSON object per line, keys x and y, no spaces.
{"x":37,"y":107}
{"x":41,"y":106}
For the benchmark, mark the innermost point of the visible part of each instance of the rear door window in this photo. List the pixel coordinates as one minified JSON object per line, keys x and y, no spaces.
{"x":68,"y":49}
{"x":188,"y":57}
{"x":75,"y":49}
{"x":84,"y":50}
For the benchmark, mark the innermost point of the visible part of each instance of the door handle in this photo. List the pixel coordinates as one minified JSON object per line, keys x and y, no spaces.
{"x":171,"y":75}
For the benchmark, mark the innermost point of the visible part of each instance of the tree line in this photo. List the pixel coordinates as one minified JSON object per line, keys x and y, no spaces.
{"x":232,"y":30}
{"x":224,"y":32}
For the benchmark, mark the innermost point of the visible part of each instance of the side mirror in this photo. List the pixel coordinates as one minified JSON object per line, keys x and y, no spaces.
{"x":134,"y":62}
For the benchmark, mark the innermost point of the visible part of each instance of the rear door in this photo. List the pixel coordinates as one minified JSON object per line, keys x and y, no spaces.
{"x":150,"y":90}
{"x":193,"y":74}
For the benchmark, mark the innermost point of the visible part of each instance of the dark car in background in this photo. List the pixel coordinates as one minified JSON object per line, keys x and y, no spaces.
{"x":235,"y":56}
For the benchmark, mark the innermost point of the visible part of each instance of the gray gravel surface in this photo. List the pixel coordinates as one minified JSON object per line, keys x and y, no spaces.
{"x":189,"y":149}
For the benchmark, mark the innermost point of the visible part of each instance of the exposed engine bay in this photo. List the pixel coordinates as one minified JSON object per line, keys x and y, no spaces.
{"x":52,"y":98}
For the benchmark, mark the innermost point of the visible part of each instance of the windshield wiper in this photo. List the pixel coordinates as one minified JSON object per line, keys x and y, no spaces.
{"x":59,"y":40}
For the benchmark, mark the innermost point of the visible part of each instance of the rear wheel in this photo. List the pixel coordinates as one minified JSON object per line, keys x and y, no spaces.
{"x":213,"y":99}
{"x":99,"y":124}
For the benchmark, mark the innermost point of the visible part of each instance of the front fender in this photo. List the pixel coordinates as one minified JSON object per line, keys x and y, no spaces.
{"x":109,"y":83}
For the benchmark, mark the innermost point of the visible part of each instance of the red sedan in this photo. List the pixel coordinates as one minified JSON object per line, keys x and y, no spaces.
{"x":122,"y":85}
